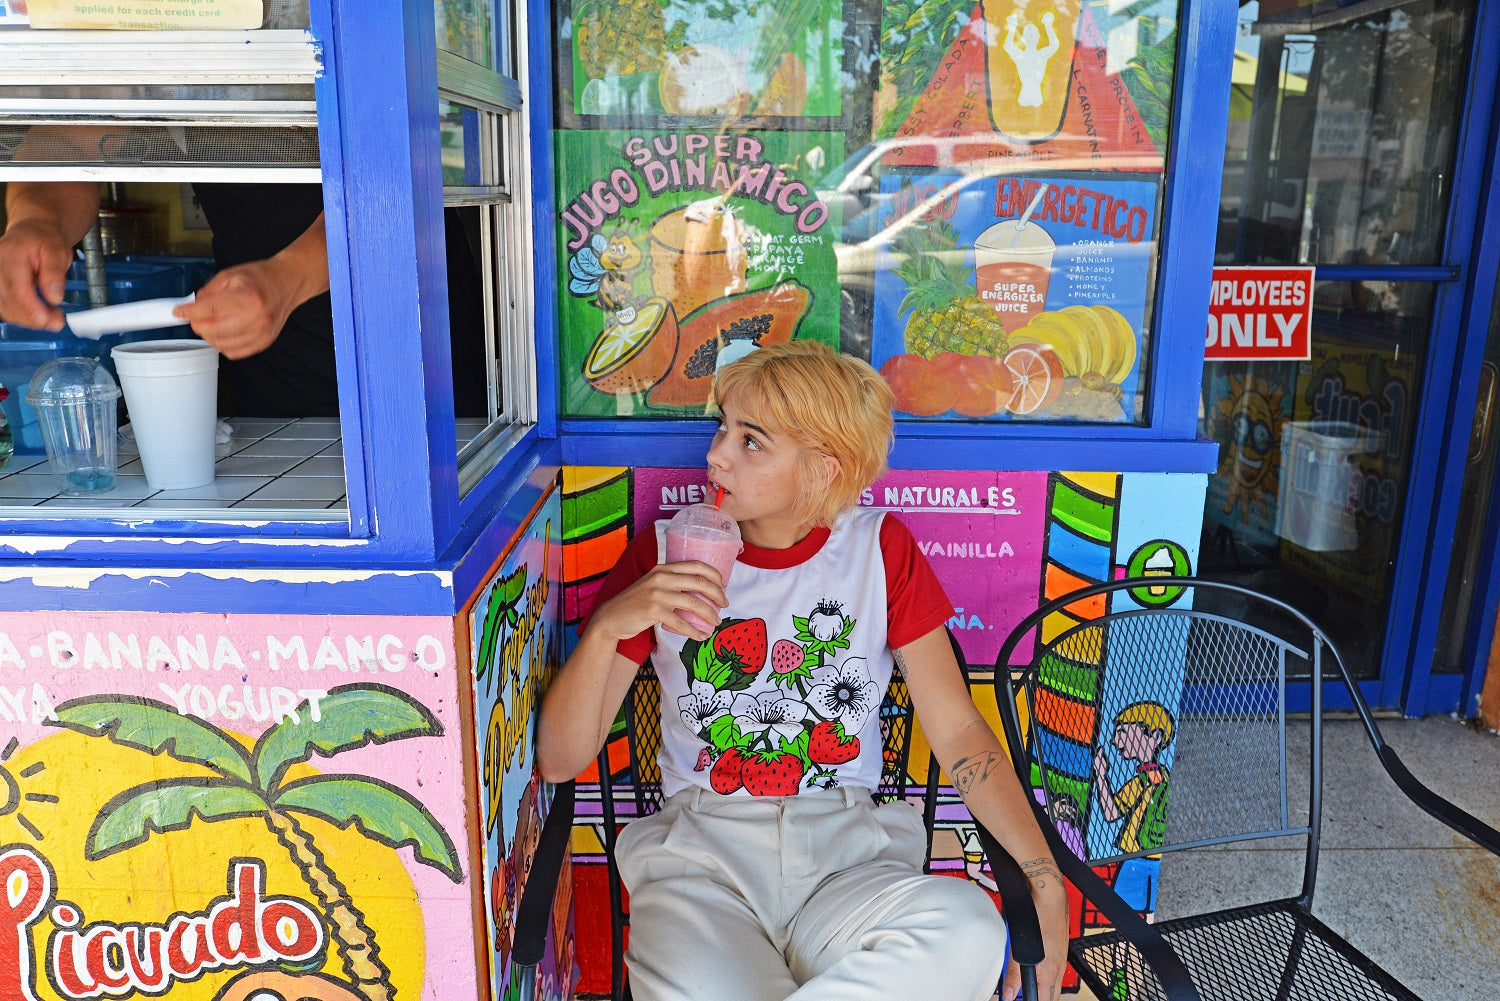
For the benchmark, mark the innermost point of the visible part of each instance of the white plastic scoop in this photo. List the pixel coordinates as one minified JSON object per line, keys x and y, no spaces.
{"x":148,"y":314}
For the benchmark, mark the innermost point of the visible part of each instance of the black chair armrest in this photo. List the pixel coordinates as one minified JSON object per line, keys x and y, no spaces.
{"x":1026,"y":946}
{"x":1456,"y":818}
{"x":1450,"y":814}
{"x":1175,"y":983}
{"x":534,"y":911}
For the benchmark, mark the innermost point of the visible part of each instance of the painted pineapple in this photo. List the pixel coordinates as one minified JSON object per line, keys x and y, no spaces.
{"x":946,"y":311}
{"x":616,"y":37}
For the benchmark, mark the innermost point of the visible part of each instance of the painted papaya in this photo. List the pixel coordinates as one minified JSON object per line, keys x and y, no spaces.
{"x":760,"y":317}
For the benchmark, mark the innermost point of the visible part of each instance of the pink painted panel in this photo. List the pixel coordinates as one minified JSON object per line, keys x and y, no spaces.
{"x":983,"y":532}
{"x":290,"y":788}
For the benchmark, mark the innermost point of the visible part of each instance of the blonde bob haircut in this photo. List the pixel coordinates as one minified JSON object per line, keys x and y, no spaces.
{"x":831,"y":405}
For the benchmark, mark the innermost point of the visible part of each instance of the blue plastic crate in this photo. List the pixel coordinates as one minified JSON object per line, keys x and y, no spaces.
{"x":127,"y":281}
{"x":23,"y":350}
{"x":195,"y":271}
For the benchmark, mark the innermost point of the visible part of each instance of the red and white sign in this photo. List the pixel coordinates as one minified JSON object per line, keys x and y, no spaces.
{"x":1262,"y":314}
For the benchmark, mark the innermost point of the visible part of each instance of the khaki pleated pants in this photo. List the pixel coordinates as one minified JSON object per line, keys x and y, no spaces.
{"x":817,"y":897}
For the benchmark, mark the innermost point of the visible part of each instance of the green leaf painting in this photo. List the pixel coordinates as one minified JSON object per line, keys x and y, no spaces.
{"x":351,"y":716}
{"x":388,"y":815}
{"x":156,"y":728}
{"x":133,"y":816}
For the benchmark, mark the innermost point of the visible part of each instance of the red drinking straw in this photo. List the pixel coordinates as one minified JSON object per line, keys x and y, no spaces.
{"x":718,"y":498}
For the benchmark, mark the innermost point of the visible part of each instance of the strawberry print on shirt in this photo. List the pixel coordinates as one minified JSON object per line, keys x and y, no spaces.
{"x":784,"y":695}
{"x":798,"y":732}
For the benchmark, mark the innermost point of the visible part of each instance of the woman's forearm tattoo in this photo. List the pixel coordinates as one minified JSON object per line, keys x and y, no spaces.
{"x":970,"y":771}
{"x":1039,"y":870}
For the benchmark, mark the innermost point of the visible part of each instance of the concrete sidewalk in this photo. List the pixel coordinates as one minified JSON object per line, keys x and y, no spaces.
{"x":1403,"y":888}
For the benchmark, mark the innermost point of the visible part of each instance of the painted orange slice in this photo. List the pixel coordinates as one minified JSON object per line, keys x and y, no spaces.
{"x":702,"y":80}
{"x":1038,"y":374}
{"x":632,"y":356}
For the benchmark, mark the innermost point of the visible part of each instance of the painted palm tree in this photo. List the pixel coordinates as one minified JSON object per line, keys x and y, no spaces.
{"x":253,"y":784}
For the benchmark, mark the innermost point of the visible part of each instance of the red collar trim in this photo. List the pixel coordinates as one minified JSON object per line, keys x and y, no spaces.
{"x":781,"y":559}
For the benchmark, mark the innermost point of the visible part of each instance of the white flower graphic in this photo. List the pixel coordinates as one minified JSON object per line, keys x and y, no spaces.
{"x":846,"y":694}
{"x":702,"y":706}
{"x":769,"y":711}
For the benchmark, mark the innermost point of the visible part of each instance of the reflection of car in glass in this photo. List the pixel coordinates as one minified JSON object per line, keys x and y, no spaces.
{"x":852,"y":189}
{"x":915,"y":253}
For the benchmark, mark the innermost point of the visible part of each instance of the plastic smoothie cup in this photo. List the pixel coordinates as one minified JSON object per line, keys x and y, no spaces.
{"x":703,"y":532}
{"x":75,"y":400}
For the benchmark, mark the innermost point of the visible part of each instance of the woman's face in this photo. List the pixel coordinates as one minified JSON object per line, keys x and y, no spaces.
{"x":758,"y":466}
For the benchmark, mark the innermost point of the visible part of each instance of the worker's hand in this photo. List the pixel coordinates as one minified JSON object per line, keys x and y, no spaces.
{"x":33,"y":254}
{"x":242,"y":309}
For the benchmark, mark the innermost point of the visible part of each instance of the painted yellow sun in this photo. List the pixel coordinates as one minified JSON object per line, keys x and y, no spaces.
{"x":1247,"y":421}
{"x":62,"y":782}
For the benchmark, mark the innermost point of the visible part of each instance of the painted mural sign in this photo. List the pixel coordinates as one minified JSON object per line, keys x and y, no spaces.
{"x":1000,"y":542}
{"x":513,"y":650}
{"x":681,"y":251}
{"x":649,"y":58}
{"x":1015,"y":296}
{"x":211,"y":807}
{"x":1066,"y":80}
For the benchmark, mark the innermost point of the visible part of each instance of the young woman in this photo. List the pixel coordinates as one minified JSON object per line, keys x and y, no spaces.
{"x":770,"y":872}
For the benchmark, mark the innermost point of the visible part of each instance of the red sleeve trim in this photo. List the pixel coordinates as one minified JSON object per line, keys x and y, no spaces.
{"x":916,"y":603}
{"x":640,"y":556}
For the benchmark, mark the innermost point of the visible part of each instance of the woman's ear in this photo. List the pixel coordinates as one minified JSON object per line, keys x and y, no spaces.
{"x":831,"y":469}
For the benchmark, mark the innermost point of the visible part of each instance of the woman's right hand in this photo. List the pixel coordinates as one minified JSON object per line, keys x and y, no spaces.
{"x":657,"y":598}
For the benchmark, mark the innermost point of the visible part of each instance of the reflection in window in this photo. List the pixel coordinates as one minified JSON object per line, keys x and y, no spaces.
{"x":1314,"y":458}
{"x":1341,"y":131}
{"x":966,"y":195}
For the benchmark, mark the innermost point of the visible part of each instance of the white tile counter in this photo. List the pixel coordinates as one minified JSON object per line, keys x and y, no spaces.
{"x":295,"y":467}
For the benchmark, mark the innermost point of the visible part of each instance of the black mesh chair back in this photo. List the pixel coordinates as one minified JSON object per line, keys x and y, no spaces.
{"x":1152,"y":714}
{"x":1206,"y":688}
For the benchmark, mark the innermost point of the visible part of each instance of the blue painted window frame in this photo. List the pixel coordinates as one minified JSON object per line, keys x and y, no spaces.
{"x":1450,"y":384}
{"x":1169,"y":439}
{"x":385,"y":242}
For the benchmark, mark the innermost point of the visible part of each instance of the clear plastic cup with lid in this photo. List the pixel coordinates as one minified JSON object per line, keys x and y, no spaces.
{"x":704,"y":532}
{"x":75,"y":400}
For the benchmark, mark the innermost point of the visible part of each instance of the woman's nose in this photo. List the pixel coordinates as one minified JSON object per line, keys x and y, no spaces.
{"x":716,"y":453}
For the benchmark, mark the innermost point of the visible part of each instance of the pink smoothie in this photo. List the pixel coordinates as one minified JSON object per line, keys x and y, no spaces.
{"x":713,"y":546}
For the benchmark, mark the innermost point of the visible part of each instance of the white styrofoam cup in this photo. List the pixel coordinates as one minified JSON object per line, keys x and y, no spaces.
{"x":172,"y":395}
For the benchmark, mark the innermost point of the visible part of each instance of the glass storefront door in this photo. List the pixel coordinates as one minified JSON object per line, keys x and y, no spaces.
{"x":1342,"y":132}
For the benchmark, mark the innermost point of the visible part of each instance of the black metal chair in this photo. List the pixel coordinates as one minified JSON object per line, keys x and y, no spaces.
{"x":1153,"y":718}
{"x":636,"y":791}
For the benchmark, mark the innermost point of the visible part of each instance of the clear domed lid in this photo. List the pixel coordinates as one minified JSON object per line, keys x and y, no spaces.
{"x":706,"y":517}
{"x":71,"y":380}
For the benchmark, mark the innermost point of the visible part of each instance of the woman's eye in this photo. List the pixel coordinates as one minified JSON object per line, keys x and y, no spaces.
{"x":752,"y":444}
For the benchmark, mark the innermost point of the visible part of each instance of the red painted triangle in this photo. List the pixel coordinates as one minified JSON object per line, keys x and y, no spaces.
{"x":1100,"y":123}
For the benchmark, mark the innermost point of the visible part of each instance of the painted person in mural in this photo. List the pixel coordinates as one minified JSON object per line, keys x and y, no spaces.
{"x":770,"y":872}
{"x":1142,"y":730}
